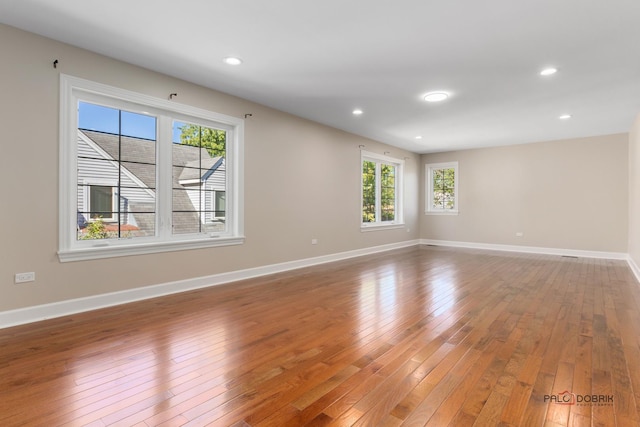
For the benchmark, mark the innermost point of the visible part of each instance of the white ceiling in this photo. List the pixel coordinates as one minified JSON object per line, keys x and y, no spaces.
{"x":322,"y":59}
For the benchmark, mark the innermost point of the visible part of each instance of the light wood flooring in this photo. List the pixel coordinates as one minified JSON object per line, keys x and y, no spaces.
{"x":419,"y":336}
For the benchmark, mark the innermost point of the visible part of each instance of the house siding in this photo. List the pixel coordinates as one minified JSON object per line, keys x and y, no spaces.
{"x":93,"y":168}
{"x":215,"y":182}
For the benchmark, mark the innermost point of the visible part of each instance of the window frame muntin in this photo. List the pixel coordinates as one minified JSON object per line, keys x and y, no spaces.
{"x":379,"y":159}
{"x":429,"y":168}
{"x":74,"y":89}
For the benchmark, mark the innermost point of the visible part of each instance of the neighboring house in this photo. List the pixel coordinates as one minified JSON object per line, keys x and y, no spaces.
{"x":109,"y":166}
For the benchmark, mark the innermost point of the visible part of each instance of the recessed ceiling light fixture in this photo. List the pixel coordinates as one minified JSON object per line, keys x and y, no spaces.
{"x":565,"y":117}
{"x":436,"y":96}
{"x":419,"y":137}
{"x":548,"y":71}
{"x":232,"y":60}
{"x":357,"y":112}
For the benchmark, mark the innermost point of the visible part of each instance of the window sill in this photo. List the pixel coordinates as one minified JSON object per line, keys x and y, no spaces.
{"x":379,"y":227}
{"x":441,"y":213}
{"x":112,"y":251}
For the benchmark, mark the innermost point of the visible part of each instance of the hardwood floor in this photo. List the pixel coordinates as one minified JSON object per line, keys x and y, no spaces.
{"x":419,"y":336}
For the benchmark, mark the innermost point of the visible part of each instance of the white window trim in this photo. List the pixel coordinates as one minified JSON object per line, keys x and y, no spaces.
{"x":73,"y":89}
{"x":399,"y":181}
{"x":429,"y":209}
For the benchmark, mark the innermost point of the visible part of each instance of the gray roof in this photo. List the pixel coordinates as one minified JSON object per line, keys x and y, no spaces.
{"x":138,"y":156}
{"x":199,"y":169}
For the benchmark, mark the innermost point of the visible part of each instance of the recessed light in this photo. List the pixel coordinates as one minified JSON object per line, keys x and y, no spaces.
{"x":436,"y":96}
{"x":548,"y":71}
{"x":419,"y":137}
{"x":564,"y":117}
{"x":232,"y":60}
{"x":357,"y":112}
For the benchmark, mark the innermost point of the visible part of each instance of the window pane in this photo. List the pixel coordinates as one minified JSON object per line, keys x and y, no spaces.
{"x":449,"y":199}
{"x":388,"y":192}
{"x":138,"y":220}
{"x":98,"y":118}
{"x":438,"y":178}
{"x":448,"y":188}
{"x":199,"y":173}
{"x":127,"y":162}
{"x":368,"y":191}
{"x":449,"y":178}
{"x":438,"y":199}
{"x":138,"y":125}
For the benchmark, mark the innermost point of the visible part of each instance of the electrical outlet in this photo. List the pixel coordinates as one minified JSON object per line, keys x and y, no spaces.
{"x":314,"y":241}
{"x":25,"y":277}
{"x":519,"y":234}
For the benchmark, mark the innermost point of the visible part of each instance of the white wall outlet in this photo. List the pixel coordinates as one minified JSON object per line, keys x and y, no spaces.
{"x":314,"y":241}
{"x":25,"y":277}
{"x":519,"y":234}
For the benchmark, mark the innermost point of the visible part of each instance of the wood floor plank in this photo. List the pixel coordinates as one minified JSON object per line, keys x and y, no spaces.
{"x":450,"y":409}
{"x":415,"y":336}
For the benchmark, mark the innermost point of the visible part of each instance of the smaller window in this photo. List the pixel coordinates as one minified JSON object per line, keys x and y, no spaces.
{"x":442,"y":188}
{"x":219,"y":208}
{"x":101,"y":202}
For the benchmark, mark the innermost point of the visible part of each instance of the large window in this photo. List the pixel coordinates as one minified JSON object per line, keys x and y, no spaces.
{"x":442,"y":188}
{"x":141,"y":174}
{"x":381,"y":190}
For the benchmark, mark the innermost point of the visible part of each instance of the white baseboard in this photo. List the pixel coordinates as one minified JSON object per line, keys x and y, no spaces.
{"x":527,"y":249}
{"x":538,"y":250}
{"x":634,"y":268}
{"x":79,"y":305}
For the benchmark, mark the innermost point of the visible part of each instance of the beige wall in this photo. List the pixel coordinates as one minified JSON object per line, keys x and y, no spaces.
{"x":302,"y":181}
{"x":569,"y":194}
{"x":634,"y":192}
